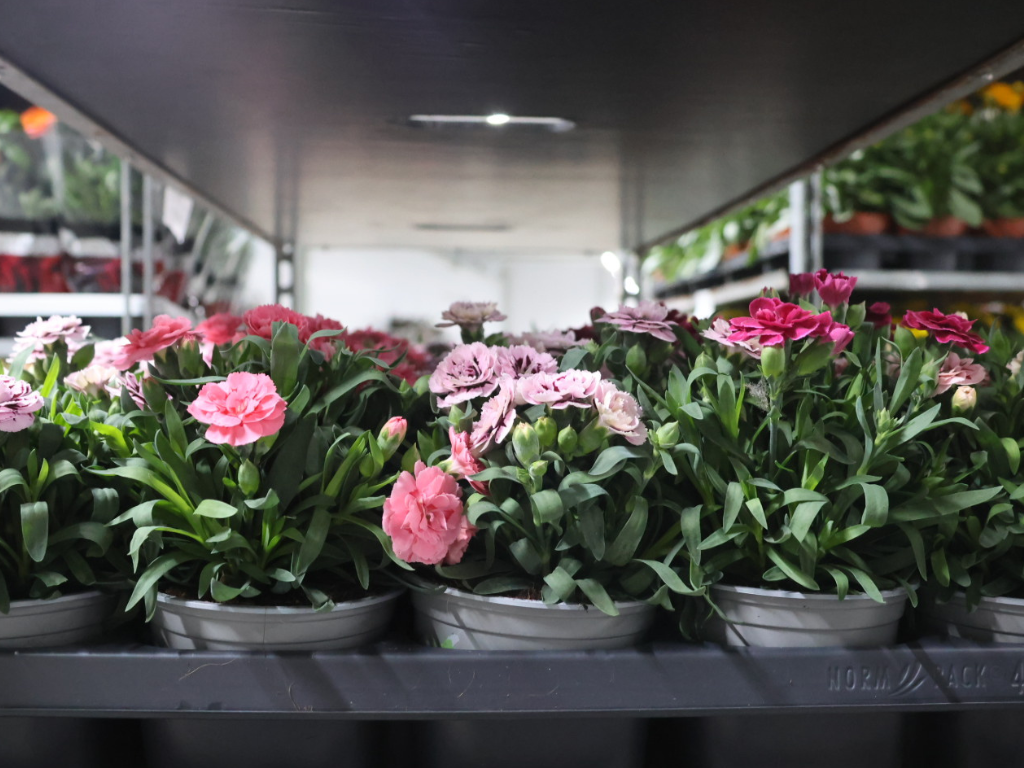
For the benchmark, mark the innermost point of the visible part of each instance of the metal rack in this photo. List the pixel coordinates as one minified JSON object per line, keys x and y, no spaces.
{"x":394,"y":680}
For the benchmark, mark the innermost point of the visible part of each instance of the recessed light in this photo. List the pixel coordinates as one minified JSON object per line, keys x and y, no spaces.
{"x":495,"y":120}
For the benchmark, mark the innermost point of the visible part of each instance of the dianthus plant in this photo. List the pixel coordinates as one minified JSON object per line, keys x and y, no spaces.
{"x":260,"y":472}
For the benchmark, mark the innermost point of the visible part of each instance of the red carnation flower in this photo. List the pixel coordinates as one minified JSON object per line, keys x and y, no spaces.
{"x":947,"y":329}
{"x":772,"y":322}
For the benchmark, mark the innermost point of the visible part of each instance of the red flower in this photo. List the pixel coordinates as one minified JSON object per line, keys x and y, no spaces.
{"x":260,"y":321}
{"x":388,"y":349}
{"x":834,"y":289}
{"x":220,"y":328}
{"x":803,"y":284}
{"x":324,"y":344}
{"x":879,"y":314}
{"x":772,"y":322}
{"x":840,"y":335}
{"x":947,"y":329}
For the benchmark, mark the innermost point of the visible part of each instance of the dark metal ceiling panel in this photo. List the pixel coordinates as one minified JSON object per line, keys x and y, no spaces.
{"x":290,"y":113}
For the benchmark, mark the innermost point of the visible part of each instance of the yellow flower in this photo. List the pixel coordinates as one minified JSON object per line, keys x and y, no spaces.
{"x":1004,"y":95}
{"x":960,"y":107}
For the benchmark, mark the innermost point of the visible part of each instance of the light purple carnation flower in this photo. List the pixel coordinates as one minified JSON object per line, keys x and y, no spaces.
{"x":470,"y":315}
{"x":522,"y":361}
{"x":619,"y":412}
{"x":558,"y":390}
{"x":41,"y":334}
{"x":468,"y":371}
{"x":497,"y":417}
{"x":648,"y":317}
{"x":549,"y":341}
{"x":133,"y":384}
{"x":18,"y":403}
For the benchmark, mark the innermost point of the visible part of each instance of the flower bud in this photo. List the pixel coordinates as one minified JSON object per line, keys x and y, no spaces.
{"x":525,"y":443}
{"x":636,"y":360}
{"x":547,"y":431}
{"x":773,"y":361}
{"x":391,"y":436}
{"x":964,"y":400}
{"x":567,"y":441}
{"x":190,"y":359}
{"x":537,"y":470}
{"x":667,"y":435}
{"x":248,"y":478}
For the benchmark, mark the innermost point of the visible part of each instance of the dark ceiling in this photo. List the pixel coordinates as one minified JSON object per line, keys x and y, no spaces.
{"x":291,"y":114}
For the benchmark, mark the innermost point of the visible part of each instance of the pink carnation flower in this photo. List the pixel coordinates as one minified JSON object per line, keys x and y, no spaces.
{"x":647,"y":317}
{"x":471,"y":315}
{"x":558,"y":390}
{"x":463,"y":464}
{"x":240,"y":410}
{"x":141,"y":346}
{"x":834,"y":289}
{"x":107,"y":352}
{"x":260,"y":321}
{"x":720,"y":331}
{"x":41,"y":334}
{"x":879,"y":314}
{"x":425,"y":519}
{"x":619,"y":412}
{"x":522,"y":360}
{"x":840,"y":335}
{"x":957,"y":371}
{"x":221,"y":328}
{"x":18,"y":403}
{"x":947,"y":329}
{"x":773,"y":322}
{"x":497,"y":417}
{"x":468,"y":371}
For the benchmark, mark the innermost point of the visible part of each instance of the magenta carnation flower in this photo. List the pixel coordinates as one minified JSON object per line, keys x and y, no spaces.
{"x":947,"y":329}
{"x":620,"y":413}
{"x":773,"y":322}
{"x":141,"y":346}
{"x":468,"y":371}
{"x":18,"y":403}
{"x":879,"y":314}
{"x":239,"y":410}
{"x":522,"y":360}
{"x":425,"y":519}
{"x":720,"y":331}
{"x":648,"y":317}
{"x":834,"y":289}
{"x":802,"y":285}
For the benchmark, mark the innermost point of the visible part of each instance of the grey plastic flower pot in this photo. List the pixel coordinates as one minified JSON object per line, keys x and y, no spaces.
{"x":995,"y":620}
{"x":456,"y":619}
{"x":63,"y":620}
{"x":200,"y":625}
{"x":463,"y":621}
{"x":771,"y":618}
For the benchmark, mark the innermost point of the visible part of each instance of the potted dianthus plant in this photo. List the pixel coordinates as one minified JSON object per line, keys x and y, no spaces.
{"x":978,"y":587}
{"x":813,"y":484}
{"x":260,"y":451}
{"x":54,"y":541}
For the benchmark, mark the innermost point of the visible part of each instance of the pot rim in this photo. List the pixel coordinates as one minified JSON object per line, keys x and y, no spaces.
{"x":284,"y":610}
{"x":960,"y":597}
{"x":518,"y":602}
{"x":810,"y":597}
{"x":89,"y":594}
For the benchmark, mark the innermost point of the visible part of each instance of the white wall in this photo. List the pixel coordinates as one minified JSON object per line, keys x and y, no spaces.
{"x":369,"y":287}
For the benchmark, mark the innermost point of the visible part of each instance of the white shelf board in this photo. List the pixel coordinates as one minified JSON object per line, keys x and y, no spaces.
{"x":81,"y":304}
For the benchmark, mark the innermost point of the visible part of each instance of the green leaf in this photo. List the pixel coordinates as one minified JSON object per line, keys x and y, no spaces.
{"x":35,"y":524}
{"x":547,"y":507}
{"x":215,"y":509}
{"x":733,"y":502}
{"x":802,"y":518}
{"x":313,"y":542}
{"x":876,"y":505}
{"x":622,"y":549}
{"x":10,"y":478}
{"x":611,"y":459}
{"x":592,"y":526}
{"x":285,"y":352}
{"x":791,"y":571}
{"x":148,"y":478}
{"x":1012,"y":453}
{"x":866,"y":583}
{"x":757,"y":511}
{"x":598,"y":596}
{"x":908,"y":379}
{"x":175,"y":431}
{"x":561,"y":584}
{"x":527,"y":556}
{"x":51,"y":378}
{"x":148,"y":580}
{"x":670,"y":578}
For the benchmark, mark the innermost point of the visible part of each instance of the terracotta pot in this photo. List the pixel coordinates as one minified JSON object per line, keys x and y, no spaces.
{"x":946,"y":226}
{"x":1004,"y":227}
{"x":733,"y":250}
{"x":861,"y":223}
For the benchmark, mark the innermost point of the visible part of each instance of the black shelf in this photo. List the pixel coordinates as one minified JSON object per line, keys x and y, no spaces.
{"x":400,"y":681}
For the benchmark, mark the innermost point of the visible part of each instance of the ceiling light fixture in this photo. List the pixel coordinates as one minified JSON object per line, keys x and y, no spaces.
{"x":495,"y":120}
{"x":611,"y":262}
